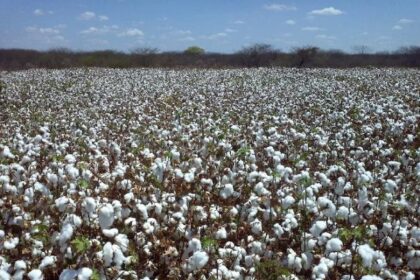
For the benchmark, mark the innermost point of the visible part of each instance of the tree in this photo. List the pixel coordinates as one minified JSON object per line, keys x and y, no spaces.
{"x":194,"y":50}
{"x":257,"y":49}
{"x":361,"y":49}
{"x":145,"y":51}
{"x":305,"y":55}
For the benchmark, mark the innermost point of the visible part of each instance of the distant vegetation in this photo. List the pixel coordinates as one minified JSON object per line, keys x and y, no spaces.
{"x":257,"y":55}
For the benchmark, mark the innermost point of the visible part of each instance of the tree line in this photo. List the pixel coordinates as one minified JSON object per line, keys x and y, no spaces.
{"x":257,"y":55}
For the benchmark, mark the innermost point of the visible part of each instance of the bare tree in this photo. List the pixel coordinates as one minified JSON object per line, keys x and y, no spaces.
{"x":361,"y":49}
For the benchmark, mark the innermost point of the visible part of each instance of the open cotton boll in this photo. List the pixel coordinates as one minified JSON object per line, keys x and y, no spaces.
{"x":371,"y":277}
{"x":89,"y":204}
{"x":260,"y":190}
{"x":4,"y":275}
{"x":47,"y":261}
{"x":107,"y":254}
{"x":6,"y":153}
{"x":110,"y":233}
{"x":334,"y":245}
{"x":35,"y":274}
{"x":122,"y":241}
{"x":84,"y":273}
{"x":65,"y":234}
{"x":227,"y":191}
{"x":287,"y":201}
{"x":11,"y":243}
{"x":221,"y":233}
{"x":317,"y":228}
{"x":197,"y":261}
{"x":106,"y":216}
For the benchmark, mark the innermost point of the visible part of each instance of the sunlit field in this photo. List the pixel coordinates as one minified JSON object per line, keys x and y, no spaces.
{"x":210,"y":174}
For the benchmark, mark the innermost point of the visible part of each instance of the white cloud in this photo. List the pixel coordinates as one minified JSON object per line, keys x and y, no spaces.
{"x":103,"y":18}
{"x":279,"y":7}
{"x":132,"y":32}
{"x":239,"y":22}
{"x":215,"y":36}
{"x":397,"y":27}
{"x":102,"y":30}
{"x":42,"y":30}
{"x":87,"y":15}
{"x":183,"y":32}
{"x":405,"y":21}
{"x":330,"y":11}
{"x":230,"y":30}
{"x":290,"y":22}
{"x":311,"y":28}
{"x":326,"y":37}
{"x":188,"y":39}
{"x":39,"y":12}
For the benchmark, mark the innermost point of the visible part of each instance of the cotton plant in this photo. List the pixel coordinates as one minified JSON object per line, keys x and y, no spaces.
{"x":240,"y":173}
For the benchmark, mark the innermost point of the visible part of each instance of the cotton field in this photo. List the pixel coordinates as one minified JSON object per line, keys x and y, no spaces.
{"x":210,"y":174}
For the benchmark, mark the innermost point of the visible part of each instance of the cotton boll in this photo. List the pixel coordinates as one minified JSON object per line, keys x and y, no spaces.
{"x":260,"y":190}
{"x":84,"y":273}
{"x":47,"y":261}
{"x":221,"y":233}
{"x":318,"y":227}
{"x":227,"y":191}
{"x":197,"y":261}
{"x":371,"y":277}
{"x":11,"y":243}
{"x":287,"y":201}
{"x":89,"y":205}
{"x":35,"y":274}
{"x":110,"y":233}
{"x":106,"y":216}
{"x":122,"y":241}
{"x":65,"y":234}
{"x":108,"y":254}
{"x":334,"y":245}
{"x":256,"y":226}
{"x":4,"y":275}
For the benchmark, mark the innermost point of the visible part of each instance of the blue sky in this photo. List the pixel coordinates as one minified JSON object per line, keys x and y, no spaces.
{"x":217,"y":25}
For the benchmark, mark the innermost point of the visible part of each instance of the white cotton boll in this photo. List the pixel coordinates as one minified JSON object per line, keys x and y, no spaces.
{"x":318,"y":227}
{"x":84,"y":273}
{"x":4,"y":275}
{"x":189,"y":177}
{"x":194,"y":245}
{"x":178,"y":173}
{"x":106,"y":216}
{"x":221,"y":233}
{"x":122,"y":241}
{"x":20,"y":265}
{"x":260,"y":190}
{"x":65,"y":234}
{"x":68,"y":274}
{"x":143,"y":210}
{"x":371,"y":277}
{"x":256,"y":226}
{"x":278,"y":230}
{"x":197,"y":261}
{"x":227,"y":191}
{"x":343,"y":212}
{"x":206,"y":182}
{"x":6,"y":153}
{"x":287,"y":201}
{"x":71,"y":159}
{"x":110,"y":233}
{"x":119,"y":257}
{"x":410,"y":276}
{"x":334,"y":245}
{"x":89,"y":204}
{"x":367,"y":254}
{"x":47,"y":261}
{"x":11,"y":243}
{"x":390,"y":186}
{"x":35,"y":274}
{"x":107,"y":254}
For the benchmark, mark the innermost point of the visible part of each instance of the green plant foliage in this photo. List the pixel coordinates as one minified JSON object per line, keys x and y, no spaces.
{"x":271,"y":270}
{"x":80,"y":244}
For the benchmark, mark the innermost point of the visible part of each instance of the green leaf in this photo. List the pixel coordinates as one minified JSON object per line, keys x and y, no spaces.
{"x":83,"y":184}
{"x":95,"y":275}
{"x":81,"y":244}
{"x":209,"y":243}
